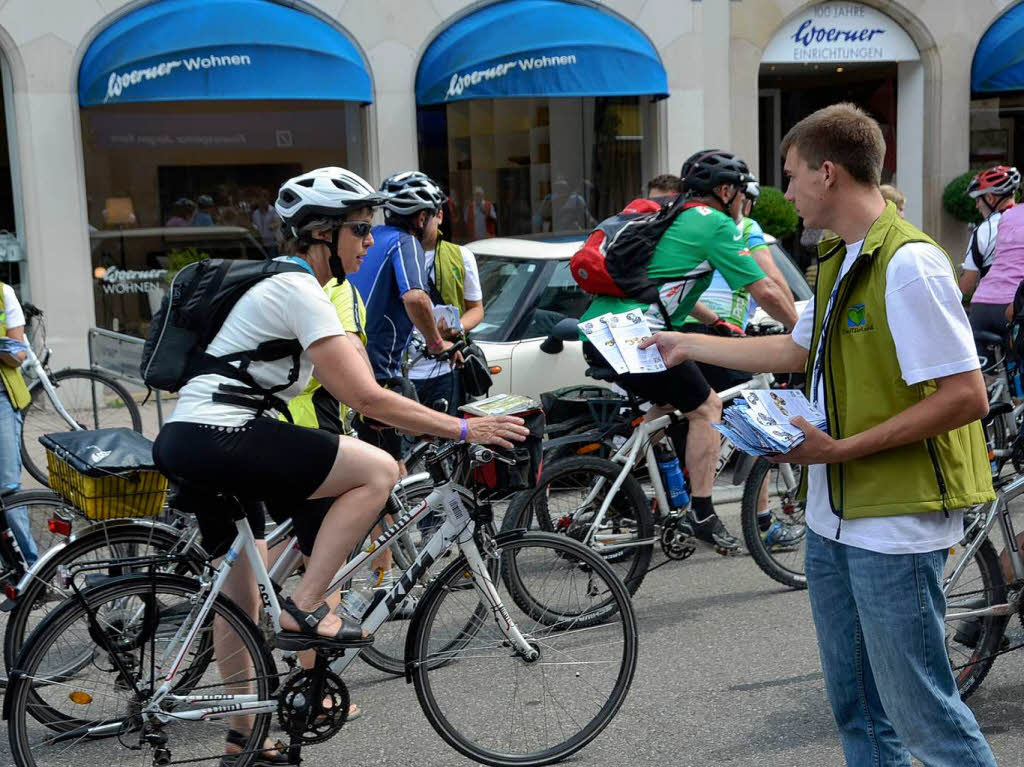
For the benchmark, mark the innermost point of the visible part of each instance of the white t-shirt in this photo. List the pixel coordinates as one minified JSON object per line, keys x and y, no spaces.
{"x":12,"y":308}
{"x":985,"y":232}
{"x":290,"y":305}
{"x":424,"y":367}
{"x":933,"y":339}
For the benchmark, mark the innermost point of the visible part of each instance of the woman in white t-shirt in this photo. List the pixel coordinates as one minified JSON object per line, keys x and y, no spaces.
{"x":224,"y":446}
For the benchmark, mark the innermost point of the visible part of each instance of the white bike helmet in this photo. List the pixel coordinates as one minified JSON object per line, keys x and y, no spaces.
{"x":409,"y":192}
{"x":314,"y":199}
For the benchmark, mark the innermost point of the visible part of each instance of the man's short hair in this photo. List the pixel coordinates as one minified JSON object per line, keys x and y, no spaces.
{"x":666,"y":181}
{"x":893,"y":195}
{"x":843,"y":134}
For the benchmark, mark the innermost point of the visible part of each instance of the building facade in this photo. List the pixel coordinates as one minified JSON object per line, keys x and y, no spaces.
{"x":130,"y":125}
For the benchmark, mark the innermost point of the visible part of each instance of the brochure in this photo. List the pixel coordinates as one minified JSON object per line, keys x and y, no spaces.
{"x":501,"y":404}
{"x":758,"y":423}
{"x":618,"y":337}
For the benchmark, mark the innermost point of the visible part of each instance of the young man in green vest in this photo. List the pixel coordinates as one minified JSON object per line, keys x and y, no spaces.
{"x":889,"y":358}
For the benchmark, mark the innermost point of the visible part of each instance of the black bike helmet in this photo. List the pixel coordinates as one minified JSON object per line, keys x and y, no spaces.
{"x":707,"y":169}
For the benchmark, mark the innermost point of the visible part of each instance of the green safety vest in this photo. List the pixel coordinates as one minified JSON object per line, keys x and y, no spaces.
{"x":450,"y":274}
{"x":864,"y":387}
{"x":17,"y":391}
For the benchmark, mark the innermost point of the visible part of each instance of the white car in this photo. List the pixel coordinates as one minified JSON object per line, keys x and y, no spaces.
{"x":528,"y":288}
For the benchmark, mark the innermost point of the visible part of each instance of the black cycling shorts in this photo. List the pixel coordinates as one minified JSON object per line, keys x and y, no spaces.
{"x":264,"y":460}
{"x":683,"y":386}
{"x":306,"y":517}
{"x":718,"y":378}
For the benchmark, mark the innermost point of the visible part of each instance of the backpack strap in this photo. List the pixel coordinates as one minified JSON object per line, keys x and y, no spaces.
{"x":976,"y":252}
{"x":251,"y":394}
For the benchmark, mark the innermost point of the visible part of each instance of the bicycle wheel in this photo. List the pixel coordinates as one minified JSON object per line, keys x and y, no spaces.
{"x":970,"y":643}
{"x":93,"y":400}
{"x":562,"y":503}
{"x":488,"y":702}
{"x":117,"y":540}
{"x":779,"y":550}
{"x":42,"y":506}
{"x":97,"y":711}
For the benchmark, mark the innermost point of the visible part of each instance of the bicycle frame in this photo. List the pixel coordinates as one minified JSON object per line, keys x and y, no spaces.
{"x":996,"y":511}
{"x":628,"y":455}
{"x":457,"y":528}
{"x":33,"y":366}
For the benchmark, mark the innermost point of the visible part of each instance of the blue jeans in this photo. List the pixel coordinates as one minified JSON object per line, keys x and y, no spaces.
{"x":10,"y":476}
{"x":881,"y":636}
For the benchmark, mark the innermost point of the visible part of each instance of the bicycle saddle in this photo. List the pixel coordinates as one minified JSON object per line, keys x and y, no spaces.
{"x":601,"y":373}
{"x":995,"y":410}
{"x":986,"y":338}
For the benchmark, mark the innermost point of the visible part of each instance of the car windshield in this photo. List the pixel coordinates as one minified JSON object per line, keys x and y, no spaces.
{"x":801,"y":290}
{"x":504,"y":282}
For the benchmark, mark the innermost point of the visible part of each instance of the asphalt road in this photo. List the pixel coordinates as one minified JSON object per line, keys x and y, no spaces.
{"x":728,"y":673}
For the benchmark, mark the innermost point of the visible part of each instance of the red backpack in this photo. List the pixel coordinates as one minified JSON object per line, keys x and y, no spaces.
{"x":613,"y":259}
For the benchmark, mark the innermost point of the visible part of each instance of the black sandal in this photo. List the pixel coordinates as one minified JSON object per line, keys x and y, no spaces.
{"x":307,"y":638}
{"x":236,"y":738}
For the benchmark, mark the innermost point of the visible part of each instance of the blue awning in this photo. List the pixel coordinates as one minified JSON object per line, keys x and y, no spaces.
{"x":204,"y":50}
{"x":537,"y":48}
{"x":999,"y":58}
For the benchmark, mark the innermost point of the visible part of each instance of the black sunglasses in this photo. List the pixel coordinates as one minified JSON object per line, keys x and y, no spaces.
{"x":359,"y":228}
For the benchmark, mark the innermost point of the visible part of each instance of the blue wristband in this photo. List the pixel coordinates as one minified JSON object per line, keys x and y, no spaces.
{"x":463,"y":429}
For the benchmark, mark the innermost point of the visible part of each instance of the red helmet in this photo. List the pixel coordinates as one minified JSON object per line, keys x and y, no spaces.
{"x":1001,"y":181}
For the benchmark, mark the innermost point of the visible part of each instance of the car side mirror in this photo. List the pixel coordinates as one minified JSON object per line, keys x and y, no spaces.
{"x":565,"y":330}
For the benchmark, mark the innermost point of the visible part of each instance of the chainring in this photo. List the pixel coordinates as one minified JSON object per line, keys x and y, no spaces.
{"x":308,"y":724}
{"x":677,"y":541}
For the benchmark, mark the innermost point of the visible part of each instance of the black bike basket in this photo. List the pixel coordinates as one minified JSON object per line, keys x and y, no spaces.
{"x":498,"y":480}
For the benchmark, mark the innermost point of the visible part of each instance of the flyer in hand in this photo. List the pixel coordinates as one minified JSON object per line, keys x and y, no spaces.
{"x":618,"y":337}
{"x":758,"y":423}
{"x":11,"y":346}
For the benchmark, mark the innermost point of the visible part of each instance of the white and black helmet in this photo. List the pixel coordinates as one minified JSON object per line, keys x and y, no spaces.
{"x":409,"y":192}
{"x":310,"y":201}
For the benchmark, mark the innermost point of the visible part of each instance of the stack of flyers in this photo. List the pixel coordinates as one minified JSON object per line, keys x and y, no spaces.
{"x":12,"y":346}
{"x":618,"y":337}
{"x":758,"y":423}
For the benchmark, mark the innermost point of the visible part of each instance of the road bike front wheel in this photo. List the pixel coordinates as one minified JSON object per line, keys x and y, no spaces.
{"x":568,"y":498}
{"x":488,"y":701}
{"x":95,"y":715}
{"x":93,"y":400}
{"x":778,"y":549}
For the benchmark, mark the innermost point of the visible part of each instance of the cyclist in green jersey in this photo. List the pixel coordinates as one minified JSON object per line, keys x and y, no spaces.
{"x":702,"y":239}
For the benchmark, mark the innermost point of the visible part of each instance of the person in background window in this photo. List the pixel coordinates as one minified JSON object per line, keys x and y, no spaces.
{"x":183,"y":211}
{"x":13,"y":399}
{"x":204,"y":216}
{"x":481,"y":216}
{"x":453,"y":281}
{"x":268,"y":225}
{"x":895,"y":196}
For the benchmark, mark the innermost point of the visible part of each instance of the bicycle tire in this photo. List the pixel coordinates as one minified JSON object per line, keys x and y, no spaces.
{"x":42,"y":506}
{"x":457,"y":731}
{"x":788,"y":570}
{"x":41,"y":418}
{"x":25,"y":616}
{"x":969,"y":673}
{"x":630,"y":504}
{"x":23,"y":713}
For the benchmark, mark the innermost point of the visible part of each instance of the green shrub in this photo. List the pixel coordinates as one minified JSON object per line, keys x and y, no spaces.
{"x":957,"y":203}
{"x":774,"y":213}
{"x":180,"y":258}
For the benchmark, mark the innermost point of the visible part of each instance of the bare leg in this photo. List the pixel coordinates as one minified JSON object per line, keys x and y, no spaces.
{"x":703,"y":445}
{"x":361,"y":481}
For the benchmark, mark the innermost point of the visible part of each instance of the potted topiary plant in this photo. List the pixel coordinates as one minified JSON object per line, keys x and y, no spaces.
{"x":776,"y":215}
{"x":957,"y":203}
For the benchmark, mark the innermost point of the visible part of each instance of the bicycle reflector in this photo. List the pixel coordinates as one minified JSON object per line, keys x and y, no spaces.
{"x":59,"y":526}
{"x":80,"y":697}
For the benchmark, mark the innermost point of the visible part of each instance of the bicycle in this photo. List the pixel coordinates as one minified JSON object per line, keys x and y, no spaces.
{"x":983,"y":590}
{"x":145,"y":630}
{"x":1006,"y":409}
{"x":71,"y":399}
{"x":611,"y":513}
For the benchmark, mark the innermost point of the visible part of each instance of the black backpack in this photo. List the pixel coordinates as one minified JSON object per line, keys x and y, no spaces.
{"x":199,"y":300}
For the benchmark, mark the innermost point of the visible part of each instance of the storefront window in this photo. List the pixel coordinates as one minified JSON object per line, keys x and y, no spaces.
{"x":169,"y":183}
{"x":997,"y":130}
{"x":524,"y":166}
